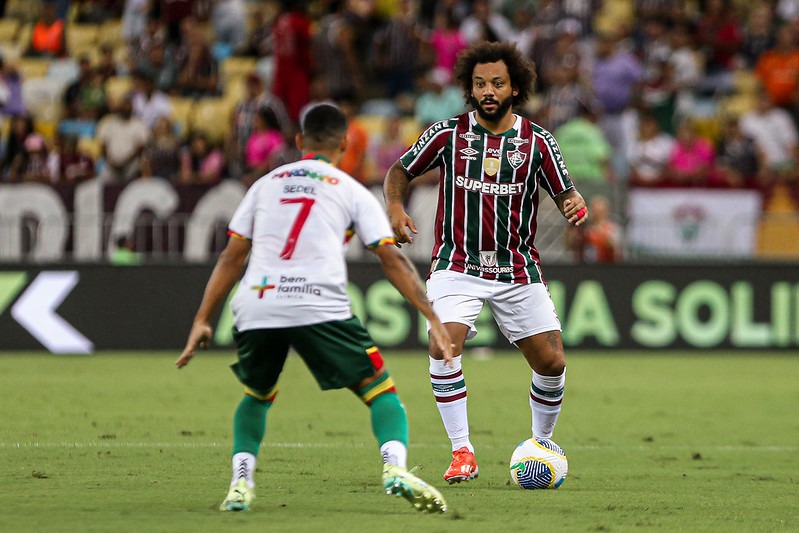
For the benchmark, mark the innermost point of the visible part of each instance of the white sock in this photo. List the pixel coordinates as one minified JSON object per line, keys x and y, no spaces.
{"x":546,"y":395}
{"x":243,"y":467}
{"x":449,"y":389}
{"x":394,"y":453}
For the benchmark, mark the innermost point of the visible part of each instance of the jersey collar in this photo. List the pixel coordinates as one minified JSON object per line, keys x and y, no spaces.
{"x":317,"y":157}
{"x":512,"y":132}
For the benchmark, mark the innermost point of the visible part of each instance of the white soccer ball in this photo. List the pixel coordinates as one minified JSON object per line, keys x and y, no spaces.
{"x":538,"y":464}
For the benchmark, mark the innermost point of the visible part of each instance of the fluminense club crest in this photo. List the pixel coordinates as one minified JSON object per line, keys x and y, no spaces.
{"x":516,"y":158}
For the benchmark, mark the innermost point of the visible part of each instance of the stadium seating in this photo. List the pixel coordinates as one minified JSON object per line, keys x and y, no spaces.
{"x":745,"y":82}
{"x":737,"y":104}
{"x":235,"y":90}
{"x":779,"y":227}
{"x":5,"y":128}
{"x":23,"y":10}
{"x":373,"y":124}
{"x":91,"y":147}
{"x":81,"y":36}
{"x":236,"y":67}
{"x":8,"y":29}
{"x":23,"y":38}
{"x":212,"y":117}
{"x":110,"y":32}
{"x":9,"y":48}
{"x":116,"y":87}
{"x":181,"y":113}
{"x":31,"y":68}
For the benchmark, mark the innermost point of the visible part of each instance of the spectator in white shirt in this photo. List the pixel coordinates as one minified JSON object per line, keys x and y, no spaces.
{"x":149,"y":104}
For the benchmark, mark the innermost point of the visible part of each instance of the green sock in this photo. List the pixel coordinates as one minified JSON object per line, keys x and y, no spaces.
{"x":249,"y":425}
{"x":389,"y":421}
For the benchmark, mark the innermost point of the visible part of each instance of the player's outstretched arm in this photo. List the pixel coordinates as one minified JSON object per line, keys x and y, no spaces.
{"x":226,"y":273}
{"x":572,"y":205}
{"x":395,"y":188}
{"x":403,"y":275}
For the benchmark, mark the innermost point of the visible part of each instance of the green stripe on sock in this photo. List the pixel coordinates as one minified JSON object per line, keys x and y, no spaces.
{"x":547,"y":394}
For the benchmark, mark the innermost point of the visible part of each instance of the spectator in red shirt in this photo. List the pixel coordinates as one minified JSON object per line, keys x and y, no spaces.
{"x":48,"y":38}
{"x":291,"y":49}
{"x":74,"y":166}
{"x":721,"y":36}
{"x":778,"y":68}
{"x":599,"y":239}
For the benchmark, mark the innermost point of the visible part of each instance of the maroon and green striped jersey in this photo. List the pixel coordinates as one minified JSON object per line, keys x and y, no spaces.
{"x":488,"y":196}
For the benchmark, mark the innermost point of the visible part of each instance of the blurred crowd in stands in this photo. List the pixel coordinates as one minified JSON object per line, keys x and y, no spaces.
{"x":644,"y":93}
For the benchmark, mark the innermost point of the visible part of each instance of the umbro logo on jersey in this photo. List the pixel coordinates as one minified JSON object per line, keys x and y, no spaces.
{"x":469,"y":136}
{"x":516,"y":158}
{"x":518,"y":141}
{"x":468,"y":153}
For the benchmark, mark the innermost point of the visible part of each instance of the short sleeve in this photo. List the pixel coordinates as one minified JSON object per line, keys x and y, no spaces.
{"x":242,"y":223}
{"x":369,"y":219}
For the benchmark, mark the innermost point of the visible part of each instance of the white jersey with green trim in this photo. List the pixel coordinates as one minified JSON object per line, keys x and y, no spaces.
{"x":299,"y":218}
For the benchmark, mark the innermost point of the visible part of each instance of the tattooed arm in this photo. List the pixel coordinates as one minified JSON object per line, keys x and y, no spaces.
{"x":395,"y":188}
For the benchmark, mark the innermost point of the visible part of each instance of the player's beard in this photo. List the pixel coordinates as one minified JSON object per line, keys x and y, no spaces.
{"x":493,"y":116}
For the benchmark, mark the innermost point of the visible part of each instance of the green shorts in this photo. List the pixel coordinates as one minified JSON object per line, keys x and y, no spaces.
{"x":339,"y":354}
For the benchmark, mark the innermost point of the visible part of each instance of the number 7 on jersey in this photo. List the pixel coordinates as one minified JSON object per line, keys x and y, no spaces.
{"x":294,"y":233}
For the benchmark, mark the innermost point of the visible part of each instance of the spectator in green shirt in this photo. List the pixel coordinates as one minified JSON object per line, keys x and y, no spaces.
{"x":125,"y":254}
{"x":585,"y":148}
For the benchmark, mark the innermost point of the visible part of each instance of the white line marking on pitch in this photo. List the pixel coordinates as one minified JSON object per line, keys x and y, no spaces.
{"x":114,"y":444}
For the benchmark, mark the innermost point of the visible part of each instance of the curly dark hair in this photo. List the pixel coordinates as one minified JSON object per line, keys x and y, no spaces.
{"x":521,"y":70}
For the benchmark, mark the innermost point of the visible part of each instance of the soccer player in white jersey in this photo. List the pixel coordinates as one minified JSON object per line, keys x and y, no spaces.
{"x":493,"y":166}
{"x":293,"y":224}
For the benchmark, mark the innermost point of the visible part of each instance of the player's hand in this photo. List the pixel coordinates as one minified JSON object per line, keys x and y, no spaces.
{"x":575,"y":210}
{"x":200,"y":334}
{"x":400,"y":224}
{"x":441,"y":339}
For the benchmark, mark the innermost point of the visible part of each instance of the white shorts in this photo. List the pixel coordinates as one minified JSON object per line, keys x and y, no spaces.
{"x":519,"y":310}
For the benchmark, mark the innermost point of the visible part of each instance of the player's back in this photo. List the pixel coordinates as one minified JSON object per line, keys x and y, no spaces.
{"x":298,"y":218}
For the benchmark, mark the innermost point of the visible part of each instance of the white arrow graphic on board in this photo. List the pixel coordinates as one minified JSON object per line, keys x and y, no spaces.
{"x":35,"y":311}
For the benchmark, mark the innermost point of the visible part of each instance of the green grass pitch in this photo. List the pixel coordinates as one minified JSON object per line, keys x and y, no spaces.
{"x":656,"y":442}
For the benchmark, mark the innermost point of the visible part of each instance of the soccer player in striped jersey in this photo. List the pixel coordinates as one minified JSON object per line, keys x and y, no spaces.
{"x":293,"y":224}
{"x":493,"y":167}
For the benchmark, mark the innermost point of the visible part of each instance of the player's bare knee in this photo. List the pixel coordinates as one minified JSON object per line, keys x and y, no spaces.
{"x":364,"y":383}
{"x":551,"y":366}
{"x":377,"y":385}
